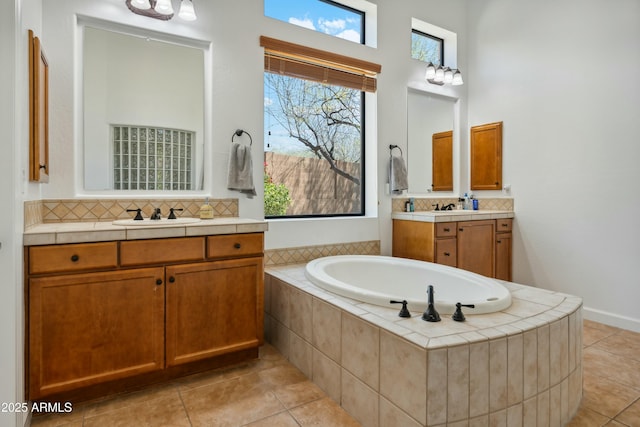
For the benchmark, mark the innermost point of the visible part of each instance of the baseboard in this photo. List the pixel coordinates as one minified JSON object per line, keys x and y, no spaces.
{"x":612,"y":319}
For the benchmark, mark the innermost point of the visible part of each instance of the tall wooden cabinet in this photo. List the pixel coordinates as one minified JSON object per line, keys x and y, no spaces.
{"x":115,"y":313}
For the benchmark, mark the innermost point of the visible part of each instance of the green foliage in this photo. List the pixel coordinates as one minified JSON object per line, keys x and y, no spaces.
{"x":276,"y":198}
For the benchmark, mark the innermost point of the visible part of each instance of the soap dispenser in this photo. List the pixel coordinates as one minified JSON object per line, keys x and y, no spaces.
{"x":206,"y":210}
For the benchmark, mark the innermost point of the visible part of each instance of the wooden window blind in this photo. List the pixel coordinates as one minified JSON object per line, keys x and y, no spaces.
{"x":317,"y":65}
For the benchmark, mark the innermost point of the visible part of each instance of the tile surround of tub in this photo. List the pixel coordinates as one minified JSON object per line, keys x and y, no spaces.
{"x":467,"y":374}
{"x":97,"y":210}
{"x":426,"y":204}
{"x":304,"y":254}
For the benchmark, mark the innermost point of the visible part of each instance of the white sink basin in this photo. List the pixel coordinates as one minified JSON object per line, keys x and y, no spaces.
{"x":158,"y":223}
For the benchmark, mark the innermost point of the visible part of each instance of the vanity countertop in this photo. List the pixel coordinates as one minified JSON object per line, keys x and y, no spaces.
{"x":81,"y":232}
{"x":448,"y":216}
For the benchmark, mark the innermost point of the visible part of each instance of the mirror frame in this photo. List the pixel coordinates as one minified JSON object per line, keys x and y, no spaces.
{"x":456,"y":157}
{"x":79,"y":150}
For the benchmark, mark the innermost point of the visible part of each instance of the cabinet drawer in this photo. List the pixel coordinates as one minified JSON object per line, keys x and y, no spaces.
{"x":230,"y":245}
{"x":159,"y":251}
{"x":445,"y":229}
{"x":75,"y":257}
{"x":446,"y":252}
{"x":504,"y":225}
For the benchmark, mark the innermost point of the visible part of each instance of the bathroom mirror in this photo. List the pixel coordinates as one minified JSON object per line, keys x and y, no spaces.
{"x":429,"y":117}
{"x":143,"y":112}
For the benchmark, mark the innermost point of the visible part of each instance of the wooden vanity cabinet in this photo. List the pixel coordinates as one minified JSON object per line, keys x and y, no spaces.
{"x":481,"y":246}
{"x":504,"y":249}
{"x":168,"y":307}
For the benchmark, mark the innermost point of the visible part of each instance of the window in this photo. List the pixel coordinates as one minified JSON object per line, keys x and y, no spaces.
{"x":314,"y":131}
{"x":147,"y":158}
{"x":427,"y":48}
{"x":325,"y":16}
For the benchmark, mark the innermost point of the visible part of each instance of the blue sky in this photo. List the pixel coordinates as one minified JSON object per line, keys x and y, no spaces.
{"x":316,"y":15}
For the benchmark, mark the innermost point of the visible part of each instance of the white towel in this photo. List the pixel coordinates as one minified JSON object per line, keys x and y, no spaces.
{"x":397,"y":175}
{"x":240,"y":177}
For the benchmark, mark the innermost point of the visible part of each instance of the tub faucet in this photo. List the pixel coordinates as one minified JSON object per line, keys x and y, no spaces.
{"x":156,"y":215}
{"x":430,"y":314}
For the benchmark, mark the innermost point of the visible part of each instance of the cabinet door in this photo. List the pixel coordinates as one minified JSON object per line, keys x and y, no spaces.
{"x":413,"y":239}
{"x":476,"y":246}
{"x":442,"y":161}
{"x":90,"y":328}
{"x":486,"y":157}
{"x":213,"y":308}
{"x":503,"y":256}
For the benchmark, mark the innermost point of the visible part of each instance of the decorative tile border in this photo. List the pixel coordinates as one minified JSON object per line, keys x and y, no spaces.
{"x":426,"y":204}
{"x":305,"y":254}
{"x":97,"y":210}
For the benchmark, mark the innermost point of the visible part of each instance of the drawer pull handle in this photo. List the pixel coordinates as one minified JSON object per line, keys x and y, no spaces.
{"x":237,"y":245}
{"x":504,"y":225}
{"x":75,"y":258}
{"x":159,"y":282}
{"x":172,"y":279}
{"x":447,"y":254}
{"x":447,"y":229}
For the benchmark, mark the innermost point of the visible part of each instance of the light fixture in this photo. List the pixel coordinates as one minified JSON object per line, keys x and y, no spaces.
{"x":187,"y":12}
{"x":162,"y":9}
{"x":439,"y":75}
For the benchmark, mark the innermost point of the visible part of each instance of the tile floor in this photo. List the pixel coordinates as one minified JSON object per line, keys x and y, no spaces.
{"x":271,"y":392}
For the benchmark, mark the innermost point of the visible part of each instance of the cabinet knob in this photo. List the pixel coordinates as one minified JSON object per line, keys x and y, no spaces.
{"x":447,"y":254}
{"x":504,"y":225}
{"x":447,"y":229}
{"x":75,"y":258}
{"x":460,"y":229}
{"x":237,"y":245}
{"x":159,"y":282}
{"x":499,"y":241}
{"x":172,"y":279}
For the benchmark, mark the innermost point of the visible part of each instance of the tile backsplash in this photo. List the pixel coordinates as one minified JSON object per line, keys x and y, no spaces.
{"x":427,"y":204}
{"x":96,"y":210}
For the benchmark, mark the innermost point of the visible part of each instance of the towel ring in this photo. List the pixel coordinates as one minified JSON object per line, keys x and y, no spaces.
{"x":391,"y":147}
{"x":239,"y":132}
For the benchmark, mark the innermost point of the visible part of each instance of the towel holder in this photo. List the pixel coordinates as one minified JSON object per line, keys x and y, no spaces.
{"x":391,"y":147}
{"x":239,"y":132}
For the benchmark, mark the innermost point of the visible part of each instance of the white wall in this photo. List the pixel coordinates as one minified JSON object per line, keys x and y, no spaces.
{"x":238,"y":95}
{"x":563,"y":77}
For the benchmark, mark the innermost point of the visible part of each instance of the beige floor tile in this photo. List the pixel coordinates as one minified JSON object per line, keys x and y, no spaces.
{"x":325,"y":413}
{"x":282,"y":419}
{"x":631,"y":415}
{"x":616,"y":368}
{"x":298,"y":394}
{"x":587,"y":418}
{"x":625,"y":344}
{"x":163,"y":411}
{"x":605,"y":396}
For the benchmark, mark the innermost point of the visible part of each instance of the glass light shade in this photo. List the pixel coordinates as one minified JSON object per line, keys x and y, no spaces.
{"x":187,"y":12}
{"x":431,"y":72}
{"x":141,"y":4}
{"x":164,"y":7}
{"x":439,"y":75}
{"x":457,"y":78}
{"x":448,"y":75}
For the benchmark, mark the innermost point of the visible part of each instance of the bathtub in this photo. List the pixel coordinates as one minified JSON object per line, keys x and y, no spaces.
{"x":379,"y":279}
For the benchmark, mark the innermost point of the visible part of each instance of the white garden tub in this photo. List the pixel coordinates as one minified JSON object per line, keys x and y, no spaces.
{"x":379,"y":279}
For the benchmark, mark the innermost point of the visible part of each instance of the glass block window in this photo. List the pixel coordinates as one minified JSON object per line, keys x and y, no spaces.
{"x":149,"y":158}
{"x":427,"y":48}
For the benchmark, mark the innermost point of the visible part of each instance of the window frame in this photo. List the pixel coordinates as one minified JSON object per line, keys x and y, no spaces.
{"x":363,"y":163}
{"x":434,"y":38}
